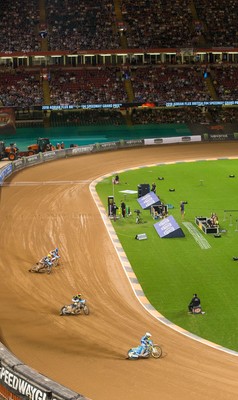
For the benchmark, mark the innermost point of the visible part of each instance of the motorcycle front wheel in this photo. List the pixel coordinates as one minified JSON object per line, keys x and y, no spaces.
{"x":86,"y":310}
{"x":157,"y":351}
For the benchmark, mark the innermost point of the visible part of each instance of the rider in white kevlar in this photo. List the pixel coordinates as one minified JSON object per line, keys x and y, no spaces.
{"x":145,"y":343}
{"x":55,"y":254}
{"x":76,"y":300}
{"x":48,"y":262}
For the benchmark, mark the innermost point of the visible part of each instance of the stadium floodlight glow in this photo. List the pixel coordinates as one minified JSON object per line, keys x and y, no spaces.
{"x":56,"y":56}
{"x":72,"y":55}
{"x":39,"y":56}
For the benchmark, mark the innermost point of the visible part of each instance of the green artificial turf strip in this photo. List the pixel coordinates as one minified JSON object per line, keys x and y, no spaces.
{"x":171,"y":270}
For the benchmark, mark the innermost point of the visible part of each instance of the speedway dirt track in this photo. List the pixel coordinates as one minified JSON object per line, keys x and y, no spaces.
{"x":87,"y":353}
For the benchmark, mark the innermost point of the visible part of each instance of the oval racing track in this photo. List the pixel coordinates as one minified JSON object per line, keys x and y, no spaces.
{"x":87,"y":353}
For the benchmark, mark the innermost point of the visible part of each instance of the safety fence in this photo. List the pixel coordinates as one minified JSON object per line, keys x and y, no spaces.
{"x":92,"y":148}
{"x":17,"y":380}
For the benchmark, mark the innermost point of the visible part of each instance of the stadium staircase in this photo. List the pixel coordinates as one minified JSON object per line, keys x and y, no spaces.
{"x":129,"y":90}
{"x":44,"y":47}
{"x":201,"y":39}
{"x":44,"y":42}
{"x":211,"y":88}
{"x":46,"y":96}
{"x":119,"y":19}
{"x":130,"y":95}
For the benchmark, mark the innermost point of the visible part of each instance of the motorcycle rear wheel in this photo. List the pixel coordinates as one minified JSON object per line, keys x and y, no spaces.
{"x":63,"y":311}
{"x":131,"y":355}
{"x":38,"y":269}
{"x":157,"y":351}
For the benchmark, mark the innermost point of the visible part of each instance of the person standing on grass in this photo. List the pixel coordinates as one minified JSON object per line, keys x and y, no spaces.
{"x":114,"y":211}
{"x":182,"y":211}
{"x":153,"y":187}
{"x":123,"y":209}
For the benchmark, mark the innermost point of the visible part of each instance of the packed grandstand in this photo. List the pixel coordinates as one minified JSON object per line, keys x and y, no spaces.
{"x":119,"y":62}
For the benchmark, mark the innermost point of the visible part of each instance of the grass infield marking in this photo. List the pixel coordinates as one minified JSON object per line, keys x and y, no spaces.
{"x":202,"y":242}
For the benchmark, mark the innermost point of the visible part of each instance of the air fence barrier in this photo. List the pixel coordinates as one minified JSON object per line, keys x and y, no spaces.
{"x":17,"y":380}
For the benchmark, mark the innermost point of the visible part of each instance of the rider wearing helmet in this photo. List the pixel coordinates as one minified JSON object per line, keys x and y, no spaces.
{"x":55,"y":253}
{"x":76,"y":300}
{"x":145,"y":342}
{"x":48,"y":262}
{"x":55,"y":256}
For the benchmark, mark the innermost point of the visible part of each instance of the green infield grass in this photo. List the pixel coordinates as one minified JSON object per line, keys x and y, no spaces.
{"x":171,"y":270}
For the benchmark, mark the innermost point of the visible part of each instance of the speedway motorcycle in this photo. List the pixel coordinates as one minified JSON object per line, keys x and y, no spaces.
{"x":75,"y":310}
{"x":41,"y":266}
{"x":153,"y":350}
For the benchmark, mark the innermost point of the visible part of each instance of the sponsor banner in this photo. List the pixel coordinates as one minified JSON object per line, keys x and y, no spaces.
{"x":31,"y":160}
{"x":168,"y":228}
{"x":81,"y":106}
{"x":230,"y":129}
{"x":26,"y":383}
{"x":94,"y":106}
{"x":170,"y":140}
{"x":7,"y":121}
{"x":4,"y":172}
{"x":60,"y":153}
{"x":148,"y":200}
{"x":48,"y":155}
{"x":18,"y":164}
{"x":74,"y":151}
{"x":106,"y":146}
{"x":219,"y":137}
{"x":21,"y":386}
{"x":202,"y":103}
{"x":137,"y":142}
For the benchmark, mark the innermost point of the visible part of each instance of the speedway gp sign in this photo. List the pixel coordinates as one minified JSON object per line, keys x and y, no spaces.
{"x":20,"y":386}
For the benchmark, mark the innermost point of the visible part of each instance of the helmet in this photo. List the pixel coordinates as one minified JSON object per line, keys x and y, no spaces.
{"x":79,"y":295}
{"x":49,"y":255}
{"x":148,"y":334}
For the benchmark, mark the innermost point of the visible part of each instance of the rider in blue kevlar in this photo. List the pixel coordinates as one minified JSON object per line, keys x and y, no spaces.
{"x":48,"y":262}
{"x":145,"y":343}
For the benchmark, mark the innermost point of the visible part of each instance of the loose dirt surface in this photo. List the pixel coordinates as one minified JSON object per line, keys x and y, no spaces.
{"x":87,"y":353}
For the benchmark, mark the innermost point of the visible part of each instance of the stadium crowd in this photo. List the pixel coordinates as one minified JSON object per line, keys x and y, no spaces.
{"x":146,"y":24}
{"x":20,"y":88}
{"x":164,"y":84}
{"x":154,"y":24}
{"x":121,"y":24}
{"x":85,"y":24}
{"x":219,"y":18}
{"x":19,"y":26}
{"x":97,"y":85}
